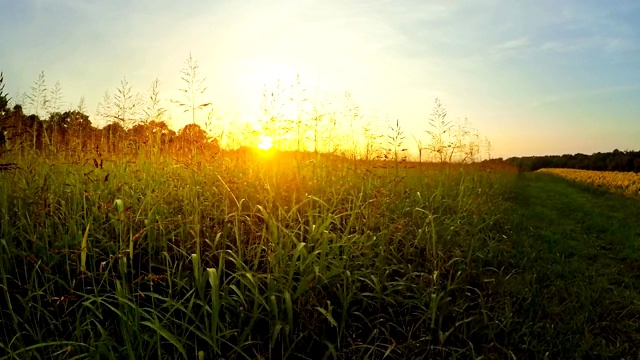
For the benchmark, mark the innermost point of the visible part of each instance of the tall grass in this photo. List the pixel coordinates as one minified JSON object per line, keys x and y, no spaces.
{"x":292,"y":256}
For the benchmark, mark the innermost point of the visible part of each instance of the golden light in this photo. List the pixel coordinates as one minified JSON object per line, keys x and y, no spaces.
{"x":265,"y":143}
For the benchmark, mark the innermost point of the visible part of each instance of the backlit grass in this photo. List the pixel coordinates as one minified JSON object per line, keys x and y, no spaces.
{"x":248,"y":257}
{"x":311,"y":256}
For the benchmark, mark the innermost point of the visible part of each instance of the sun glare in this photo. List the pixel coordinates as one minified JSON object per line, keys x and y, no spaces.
{"x":265,"y":143}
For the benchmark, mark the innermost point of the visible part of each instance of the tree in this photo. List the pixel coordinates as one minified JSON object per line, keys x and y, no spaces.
{"x":78,"y":129}
{"x":4,"y":98}
{"x":137,"y":136}
{"x":4,"y":102}
{"x":193,"y":90}
{"x":193,"y":133}
{"x":190,"y":139}
{"x":159,"y":134}
{"x":13,"y":123}
{"x":113,"y":133}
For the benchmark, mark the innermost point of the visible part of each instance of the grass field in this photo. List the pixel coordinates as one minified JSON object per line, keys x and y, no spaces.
{"x":307,"y":256}
{"x":577,"y":256}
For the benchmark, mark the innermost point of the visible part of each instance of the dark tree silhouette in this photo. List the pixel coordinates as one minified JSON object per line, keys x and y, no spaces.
{"x":611,"y":161}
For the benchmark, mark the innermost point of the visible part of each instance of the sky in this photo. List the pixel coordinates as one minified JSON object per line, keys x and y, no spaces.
{"x":534,"y":77}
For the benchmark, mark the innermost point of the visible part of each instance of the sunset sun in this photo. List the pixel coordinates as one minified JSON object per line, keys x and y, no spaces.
{"x":265,"y":143}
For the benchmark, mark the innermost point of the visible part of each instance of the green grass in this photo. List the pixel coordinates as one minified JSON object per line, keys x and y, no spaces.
{"x":577,"y":289}
{"x":306,"y":256}
{"x":292,"y":256}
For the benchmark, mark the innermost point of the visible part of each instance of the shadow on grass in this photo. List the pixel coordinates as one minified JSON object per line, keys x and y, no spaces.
{"x":578,"y":253}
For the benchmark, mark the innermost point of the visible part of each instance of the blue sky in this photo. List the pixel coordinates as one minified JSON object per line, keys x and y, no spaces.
{"x":535,"y":77}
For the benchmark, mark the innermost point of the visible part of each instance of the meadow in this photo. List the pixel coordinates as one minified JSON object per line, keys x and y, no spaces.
{"x":249,"y":256}
{"x":300,"y":255}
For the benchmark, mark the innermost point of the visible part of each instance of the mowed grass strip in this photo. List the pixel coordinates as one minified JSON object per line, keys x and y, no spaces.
{"x":577,"y":291}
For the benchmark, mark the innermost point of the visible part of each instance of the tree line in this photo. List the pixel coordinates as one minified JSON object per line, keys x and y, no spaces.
{"x":616,"y":160}
{"x":291,"y":117}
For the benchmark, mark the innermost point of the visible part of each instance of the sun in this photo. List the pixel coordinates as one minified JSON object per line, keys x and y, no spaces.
{"x":265,"y":143}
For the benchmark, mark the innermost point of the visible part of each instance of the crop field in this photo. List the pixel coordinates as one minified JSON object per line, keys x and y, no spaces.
{"x":627,"y":183}
{"x":298,"y":255}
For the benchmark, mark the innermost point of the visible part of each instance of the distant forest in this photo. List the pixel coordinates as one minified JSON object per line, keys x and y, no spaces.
{"x":71,"y":132}
{"x":616,"y":160}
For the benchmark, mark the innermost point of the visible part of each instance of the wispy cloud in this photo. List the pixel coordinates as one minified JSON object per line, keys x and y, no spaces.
{"x":513,"y":48}
{"x":607,"y":44}
{"x":554,"y":98}
{"x":515,"y":44}
{"x":561,"y":46}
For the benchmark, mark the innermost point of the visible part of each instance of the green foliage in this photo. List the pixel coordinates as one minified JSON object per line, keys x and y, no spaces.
{"x":615,"y":160}
{"x":293,"y":256}
{"x":4,"y":98}
{"x":578,"y":289}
